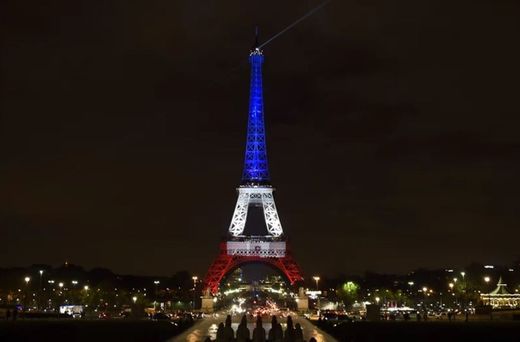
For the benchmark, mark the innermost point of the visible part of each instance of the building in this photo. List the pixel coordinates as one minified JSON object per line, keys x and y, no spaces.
{"x":500,"y":298}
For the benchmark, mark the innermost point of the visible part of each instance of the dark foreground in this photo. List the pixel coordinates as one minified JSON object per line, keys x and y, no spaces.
{"x":128,"y":330}
{"x":85,"y":330}
{"x":424,"y":331}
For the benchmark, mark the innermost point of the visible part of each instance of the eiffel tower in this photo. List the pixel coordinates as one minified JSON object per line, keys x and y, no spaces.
{"x":255,"y":194}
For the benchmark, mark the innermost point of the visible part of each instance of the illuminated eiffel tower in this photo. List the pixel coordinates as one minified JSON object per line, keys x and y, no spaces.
{"x":255,"y":192}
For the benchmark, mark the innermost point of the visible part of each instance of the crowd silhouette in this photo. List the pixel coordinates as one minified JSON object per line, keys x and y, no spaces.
{"x":293,"y":333}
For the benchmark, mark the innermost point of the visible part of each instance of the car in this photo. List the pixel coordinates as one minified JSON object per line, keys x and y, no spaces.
{"x":104,"y":315}
{"x":160,"y":316}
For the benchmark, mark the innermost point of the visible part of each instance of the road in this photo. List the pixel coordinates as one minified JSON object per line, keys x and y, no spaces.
{"x":208,"y":327}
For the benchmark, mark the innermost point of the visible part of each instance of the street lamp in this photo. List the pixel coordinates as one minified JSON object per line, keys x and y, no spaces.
{"x":60,"y":284}
{"x":27,"y":280}
{"x":134,"y":299}
{"x":194,"y":278}
{"x":317,"y":279}
{"x":464,"y":294}
{"x":41,"y":287}
{"x":487,"y":280}
{"x":156,"y":282}
{"x":85,"y":287}
{"x":451,"y":288}
{"x":41,"y":276}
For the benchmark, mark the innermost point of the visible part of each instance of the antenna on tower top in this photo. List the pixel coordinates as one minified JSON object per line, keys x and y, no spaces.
{"x":256,"y":37}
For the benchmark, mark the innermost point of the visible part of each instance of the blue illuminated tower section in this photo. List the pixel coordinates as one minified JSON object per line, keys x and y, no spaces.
{"x":256,"y":170}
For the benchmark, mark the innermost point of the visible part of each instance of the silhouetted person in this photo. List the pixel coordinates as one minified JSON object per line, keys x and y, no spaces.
{"x":298,"y":333}
{"x":449,"y":315}
{"x":276,"y":333}
{"x":259,"y":331}
{"x":279,"y":336}
{"x":220,"y":332}
{"x":289,"y":332}
{"x":8,"y":315}
{"x":229,"y":334}
{"x":15,"y":314}
{"x":243,"y":333}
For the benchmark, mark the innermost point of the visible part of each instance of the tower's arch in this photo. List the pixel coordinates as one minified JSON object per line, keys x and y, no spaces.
{"x":226,"y":263}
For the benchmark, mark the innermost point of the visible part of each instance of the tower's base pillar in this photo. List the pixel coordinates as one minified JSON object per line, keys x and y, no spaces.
{"x":302,"y":301}
{"x":207,"y":304}
{"x":303,"y":304}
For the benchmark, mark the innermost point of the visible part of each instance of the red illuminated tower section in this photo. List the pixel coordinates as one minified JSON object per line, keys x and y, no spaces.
{"x":254,"y":193}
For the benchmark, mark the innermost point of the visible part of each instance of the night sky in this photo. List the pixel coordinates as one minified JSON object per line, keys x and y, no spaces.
{"x":392,"y":131}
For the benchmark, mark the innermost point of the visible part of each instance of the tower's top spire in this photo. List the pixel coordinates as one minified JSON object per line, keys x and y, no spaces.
{"x":256,"y":47}
{"x":256,"y":169}
{"x":256,"y":38}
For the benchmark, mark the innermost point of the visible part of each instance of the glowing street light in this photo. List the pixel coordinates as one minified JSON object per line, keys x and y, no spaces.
{"x":27,"y":280}
{"x":85,"y":287}
{"x":424,"y":289}
{"x":194,"y":278}
{"x":134,"y":299}
{"x":156,"y":282}
{"x":451,"y":285}
{"x":60,"y":284}
{"x":317,"y":279}
{"x":487,"y":279}
{"x":41,"y":276}
{"x":377,"y":300}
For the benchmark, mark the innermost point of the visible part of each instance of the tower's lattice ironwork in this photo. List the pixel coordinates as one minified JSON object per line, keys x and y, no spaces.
{"x":256,"y":170}
{"x":255,"y":190}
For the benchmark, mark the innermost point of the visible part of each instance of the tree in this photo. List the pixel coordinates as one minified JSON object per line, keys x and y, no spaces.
{"x":348,"y":292}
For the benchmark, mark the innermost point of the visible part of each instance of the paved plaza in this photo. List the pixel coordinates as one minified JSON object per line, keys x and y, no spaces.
{"x":208,"y":327}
